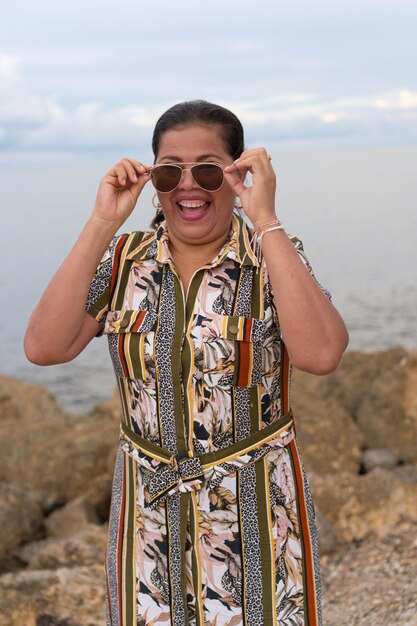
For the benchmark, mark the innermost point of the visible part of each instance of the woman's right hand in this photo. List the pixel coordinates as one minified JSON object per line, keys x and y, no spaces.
{"x":119,"y":190}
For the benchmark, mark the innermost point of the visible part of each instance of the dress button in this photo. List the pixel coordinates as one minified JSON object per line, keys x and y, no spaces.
{"x":124,"y":323}
{"x":234,"y":329}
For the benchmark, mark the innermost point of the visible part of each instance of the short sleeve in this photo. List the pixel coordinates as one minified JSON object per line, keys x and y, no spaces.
{"x":298,"y":245}
{"x":97,"y":303}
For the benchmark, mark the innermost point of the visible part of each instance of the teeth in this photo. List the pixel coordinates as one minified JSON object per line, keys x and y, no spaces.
{"x":191,"y":205}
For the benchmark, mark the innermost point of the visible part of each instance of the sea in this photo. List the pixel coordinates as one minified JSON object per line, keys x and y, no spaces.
{"x":355,"y":211}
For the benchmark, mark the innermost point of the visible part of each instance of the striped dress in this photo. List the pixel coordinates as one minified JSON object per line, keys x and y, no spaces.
{"x":211,"y":520}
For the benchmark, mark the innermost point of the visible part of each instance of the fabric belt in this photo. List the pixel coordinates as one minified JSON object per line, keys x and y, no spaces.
{"x":166,"y":473}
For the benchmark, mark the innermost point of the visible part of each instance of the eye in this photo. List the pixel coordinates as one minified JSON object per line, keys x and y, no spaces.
{"x":169,"y":171}
{"x":208,"y":169}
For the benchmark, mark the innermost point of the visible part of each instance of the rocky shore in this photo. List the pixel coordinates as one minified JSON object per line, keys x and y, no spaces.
{"x":357,"y":430}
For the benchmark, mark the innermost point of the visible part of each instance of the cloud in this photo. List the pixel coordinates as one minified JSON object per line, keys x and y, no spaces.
{"x":32,"y":122}
{"x":18,"y":107}
{"x":9,"y":64}
{"x":335,"y":116}
{"x":29,"y":121}
{"x":405,"y":99}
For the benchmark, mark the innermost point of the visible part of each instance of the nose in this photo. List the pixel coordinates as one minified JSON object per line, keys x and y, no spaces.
{"x":187,"y":181}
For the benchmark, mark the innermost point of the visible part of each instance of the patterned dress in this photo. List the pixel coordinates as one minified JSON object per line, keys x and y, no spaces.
{"x":211,"y":521}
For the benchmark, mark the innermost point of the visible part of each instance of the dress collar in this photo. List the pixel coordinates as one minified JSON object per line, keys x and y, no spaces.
{"x":238,"y":247}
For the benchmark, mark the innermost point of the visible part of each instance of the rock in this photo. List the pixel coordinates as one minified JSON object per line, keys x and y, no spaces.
{"x":406,"y":473}
{"x":20,"y":401}
{"x":372,"y":583}
{"x":387,"y":414}
{"x":67,"y":461}
{"x":98,"y":494}
{"x":378,"y":457}
{"x":64,"y":597}
{"x":330,"y":441}
{"x":109,"y":408}
{"x":111,"y":461}
{"x":72,"y":518}
{"x":84,"y":548}
{"x":21,"y":517}
{"x":359,"y":506}
{"x":48,"y":620}
{"x":379,"y":392}
{"x":350,"y":383}
{"x":52,"y":450}
{"x":327,"y":539}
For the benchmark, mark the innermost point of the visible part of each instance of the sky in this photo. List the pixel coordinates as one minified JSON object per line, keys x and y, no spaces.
{"x":86,"y":80}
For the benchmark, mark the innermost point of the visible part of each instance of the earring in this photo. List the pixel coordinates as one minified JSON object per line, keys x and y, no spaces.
{"x":156,"y":204}
{"x":238,"y":207}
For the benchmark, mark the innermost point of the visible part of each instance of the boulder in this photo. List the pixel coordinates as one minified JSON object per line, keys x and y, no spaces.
{"x":21,"y":517}
{"x":387,"y":414}
{"x":75,"y":516}
{"x":84,"y":548}
{"x":63,"y":597}
{"x":378,"y":391}
{"x":407,"y":473}
{"x":98,"y":493}
{"x":109,"y":409}
{"x":351,"y":381}
{"x":359,"y":506}
{"x":329,"y":439}
{"x":327,"y":539}
{"x":378,"y":457}
{"x":21,"y":401}
{"x":51,"y":449}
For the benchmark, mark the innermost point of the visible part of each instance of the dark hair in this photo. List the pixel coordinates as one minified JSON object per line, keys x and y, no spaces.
{"x":203,"y":113}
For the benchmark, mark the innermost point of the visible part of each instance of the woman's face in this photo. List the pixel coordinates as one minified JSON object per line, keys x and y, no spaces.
{"x":194,"y":215}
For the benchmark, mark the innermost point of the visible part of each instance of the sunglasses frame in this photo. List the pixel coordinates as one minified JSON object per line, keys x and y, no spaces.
{"x":187,"y":169}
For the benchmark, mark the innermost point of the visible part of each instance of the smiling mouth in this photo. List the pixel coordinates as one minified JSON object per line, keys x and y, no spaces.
{"x":193,"y":208}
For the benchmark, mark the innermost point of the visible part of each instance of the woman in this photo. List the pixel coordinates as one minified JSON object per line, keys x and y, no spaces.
{"x":211,"y":520}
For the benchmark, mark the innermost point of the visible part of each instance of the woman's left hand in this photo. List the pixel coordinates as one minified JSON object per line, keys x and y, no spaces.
{"x":258,"y":200}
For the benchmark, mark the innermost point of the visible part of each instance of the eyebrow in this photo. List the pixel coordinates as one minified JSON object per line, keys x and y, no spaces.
{"x":203,"y":157}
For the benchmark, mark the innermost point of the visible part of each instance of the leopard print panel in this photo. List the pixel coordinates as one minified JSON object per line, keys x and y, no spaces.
{"x":175,"y":559}
{"x":256,"y":374}
{"x":113,"y":341}
{"x":163,"y":352}
{"x":258,"y":331}
{"x":244,"y":301}
{"x":101,"y":279}
{"x":242,"y":404}
{"x":251,"y":547}
{"x":247,"y":481}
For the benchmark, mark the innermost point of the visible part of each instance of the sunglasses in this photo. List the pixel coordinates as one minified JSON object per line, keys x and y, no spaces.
{"x":167,"y":177}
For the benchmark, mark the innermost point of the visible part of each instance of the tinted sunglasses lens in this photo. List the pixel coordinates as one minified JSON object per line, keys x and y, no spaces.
{"x":166,"y":177}
{"x":208,"y":175}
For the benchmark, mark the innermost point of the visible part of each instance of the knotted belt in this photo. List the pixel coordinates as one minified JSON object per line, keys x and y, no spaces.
{"x":166,"y":473}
